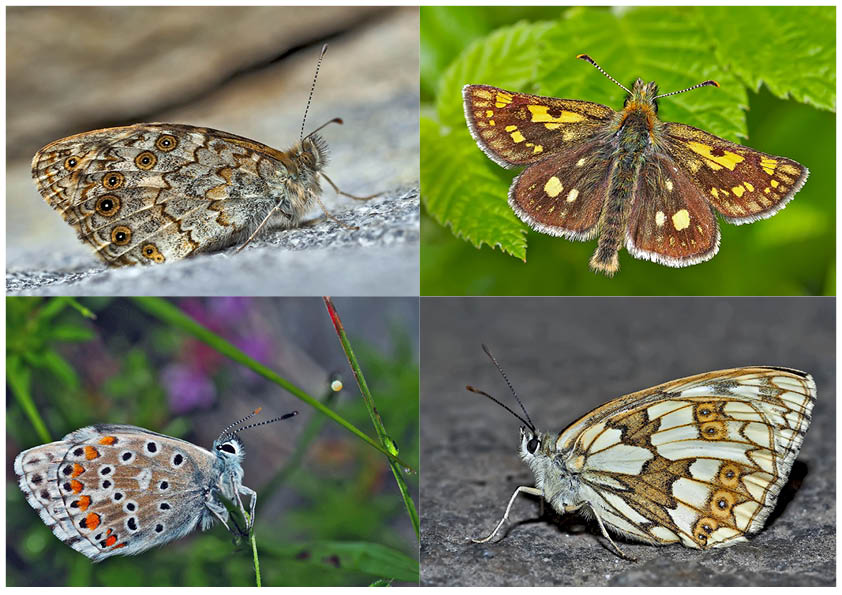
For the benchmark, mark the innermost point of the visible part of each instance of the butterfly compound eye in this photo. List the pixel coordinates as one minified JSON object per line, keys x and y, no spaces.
{"x":532,"y":445}
{"x":227,"y":448}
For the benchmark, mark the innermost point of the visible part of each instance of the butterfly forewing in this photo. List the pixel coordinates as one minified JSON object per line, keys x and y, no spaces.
{"x":741,"y":183}
{"x":519,"y":129}
{"x":698,"y":461}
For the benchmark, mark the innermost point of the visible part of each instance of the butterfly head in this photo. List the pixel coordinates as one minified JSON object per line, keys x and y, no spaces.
{"x":310,"y":155}
{"x":642,"y":94}
{"x":229,"y":451}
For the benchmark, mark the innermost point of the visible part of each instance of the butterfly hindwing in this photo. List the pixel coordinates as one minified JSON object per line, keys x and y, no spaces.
{"x":670,"y":221}
{"x":563,"y":196}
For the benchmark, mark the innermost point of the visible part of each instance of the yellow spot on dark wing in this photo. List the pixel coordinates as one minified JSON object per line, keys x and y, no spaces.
{"x":502,"y":99}
{"x":681,"y":220}
{"x":553,"y":187}
{"x":540,"y":113}
{"x":660,"y":218}
{"x":738,"y":191}
{"x":517,"y":136}
{"x":715,"y":162}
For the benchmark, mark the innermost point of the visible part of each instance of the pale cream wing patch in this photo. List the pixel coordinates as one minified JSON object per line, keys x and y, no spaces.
{"x":699,"y":460}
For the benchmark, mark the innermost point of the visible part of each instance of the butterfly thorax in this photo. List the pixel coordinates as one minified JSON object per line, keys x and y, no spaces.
{"x":636,"y":128}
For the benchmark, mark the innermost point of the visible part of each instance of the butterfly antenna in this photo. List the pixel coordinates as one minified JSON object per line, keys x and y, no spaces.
{"x":334,"y":121}
{"x":268,"y":421}
{"x":587,"y":58}
{"x":704,"y":84}
{"x":503,"y":405}
{"x":511,"y":388}
{"x":226,"y":431}
{"x":312,"y":89}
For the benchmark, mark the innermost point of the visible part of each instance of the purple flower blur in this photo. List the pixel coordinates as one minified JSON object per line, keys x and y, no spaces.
{"x":187,"y":388}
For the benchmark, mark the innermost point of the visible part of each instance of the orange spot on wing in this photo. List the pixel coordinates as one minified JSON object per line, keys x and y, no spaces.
{"x":76,"y":486}
{"x":91,"y":453}
{"x":84,"y":502}
{"x":92,"y":520}
{"x":108,"y":440}
{"x":124,"y":544}
{"x":77,"y":470}
{"x":110,"y":541}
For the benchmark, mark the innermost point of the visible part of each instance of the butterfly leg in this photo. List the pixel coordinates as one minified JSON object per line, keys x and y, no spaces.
{"x":608,"y":537}
{"x":220,"y":512}
{"x":525,"y":490}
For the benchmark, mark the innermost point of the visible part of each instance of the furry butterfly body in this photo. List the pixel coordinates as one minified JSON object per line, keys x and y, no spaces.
{"x":698,"y":461}
{"x":111,"y":489}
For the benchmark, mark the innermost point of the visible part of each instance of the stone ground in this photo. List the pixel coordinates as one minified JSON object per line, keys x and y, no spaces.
{"x":255,"y":85}
{"x":565,"y":356}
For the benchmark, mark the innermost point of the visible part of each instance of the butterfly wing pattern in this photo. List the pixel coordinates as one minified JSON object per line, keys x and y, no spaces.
{"x":153,"y":193}
{"x":106,"y":490}
{"x":698,"y":461}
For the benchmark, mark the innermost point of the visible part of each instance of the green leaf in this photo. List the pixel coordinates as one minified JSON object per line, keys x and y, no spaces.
{"x":790,"y":49}
{"x":661,"y":45}
{"x":71,"y":332}
{"x":507,"y":58}
{"x":369,"y":558}
{"x":459,"y":189}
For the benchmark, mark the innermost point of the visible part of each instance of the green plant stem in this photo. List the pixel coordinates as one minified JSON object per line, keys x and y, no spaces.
{"x":167,"y":312}
{"x":253,"y":541}
{"x":384,"y":437}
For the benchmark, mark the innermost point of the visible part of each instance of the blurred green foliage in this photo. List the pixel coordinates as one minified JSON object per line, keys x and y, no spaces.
{"x":760,"y":56}
{"x":344,"y":522}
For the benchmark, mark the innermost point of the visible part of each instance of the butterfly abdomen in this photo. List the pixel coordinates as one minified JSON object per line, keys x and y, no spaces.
{"x":632,"y":138}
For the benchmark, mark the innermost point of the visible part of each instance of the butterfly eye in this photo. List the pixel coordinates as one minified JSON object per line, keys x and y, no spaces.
{"x":532,"y":445}
{"x":227,"y":448}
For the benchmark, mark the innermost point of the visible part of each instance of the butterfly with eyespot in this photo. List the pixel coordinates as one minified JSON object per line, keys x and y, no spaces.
{"x":698,"y":461}
{"x":155,"y":193}
{"x":112,"y":489}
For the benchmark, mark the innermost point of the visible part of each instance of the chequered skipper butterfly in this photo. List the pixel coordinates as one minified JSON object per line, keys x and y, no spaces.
{"x":625,"y":176}
{"x":698,"y":461}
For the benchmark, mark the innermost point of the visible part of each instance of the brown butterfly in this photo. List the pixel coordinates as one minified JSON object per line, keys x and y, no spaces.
{"x":625,"y":176}
{"x":155,"y":193}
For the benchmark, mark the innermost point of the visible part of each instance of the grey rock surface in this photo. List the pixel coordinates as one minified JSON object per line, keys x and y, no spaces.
{"x":369,"y":78}
{"x":566,"y":356}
